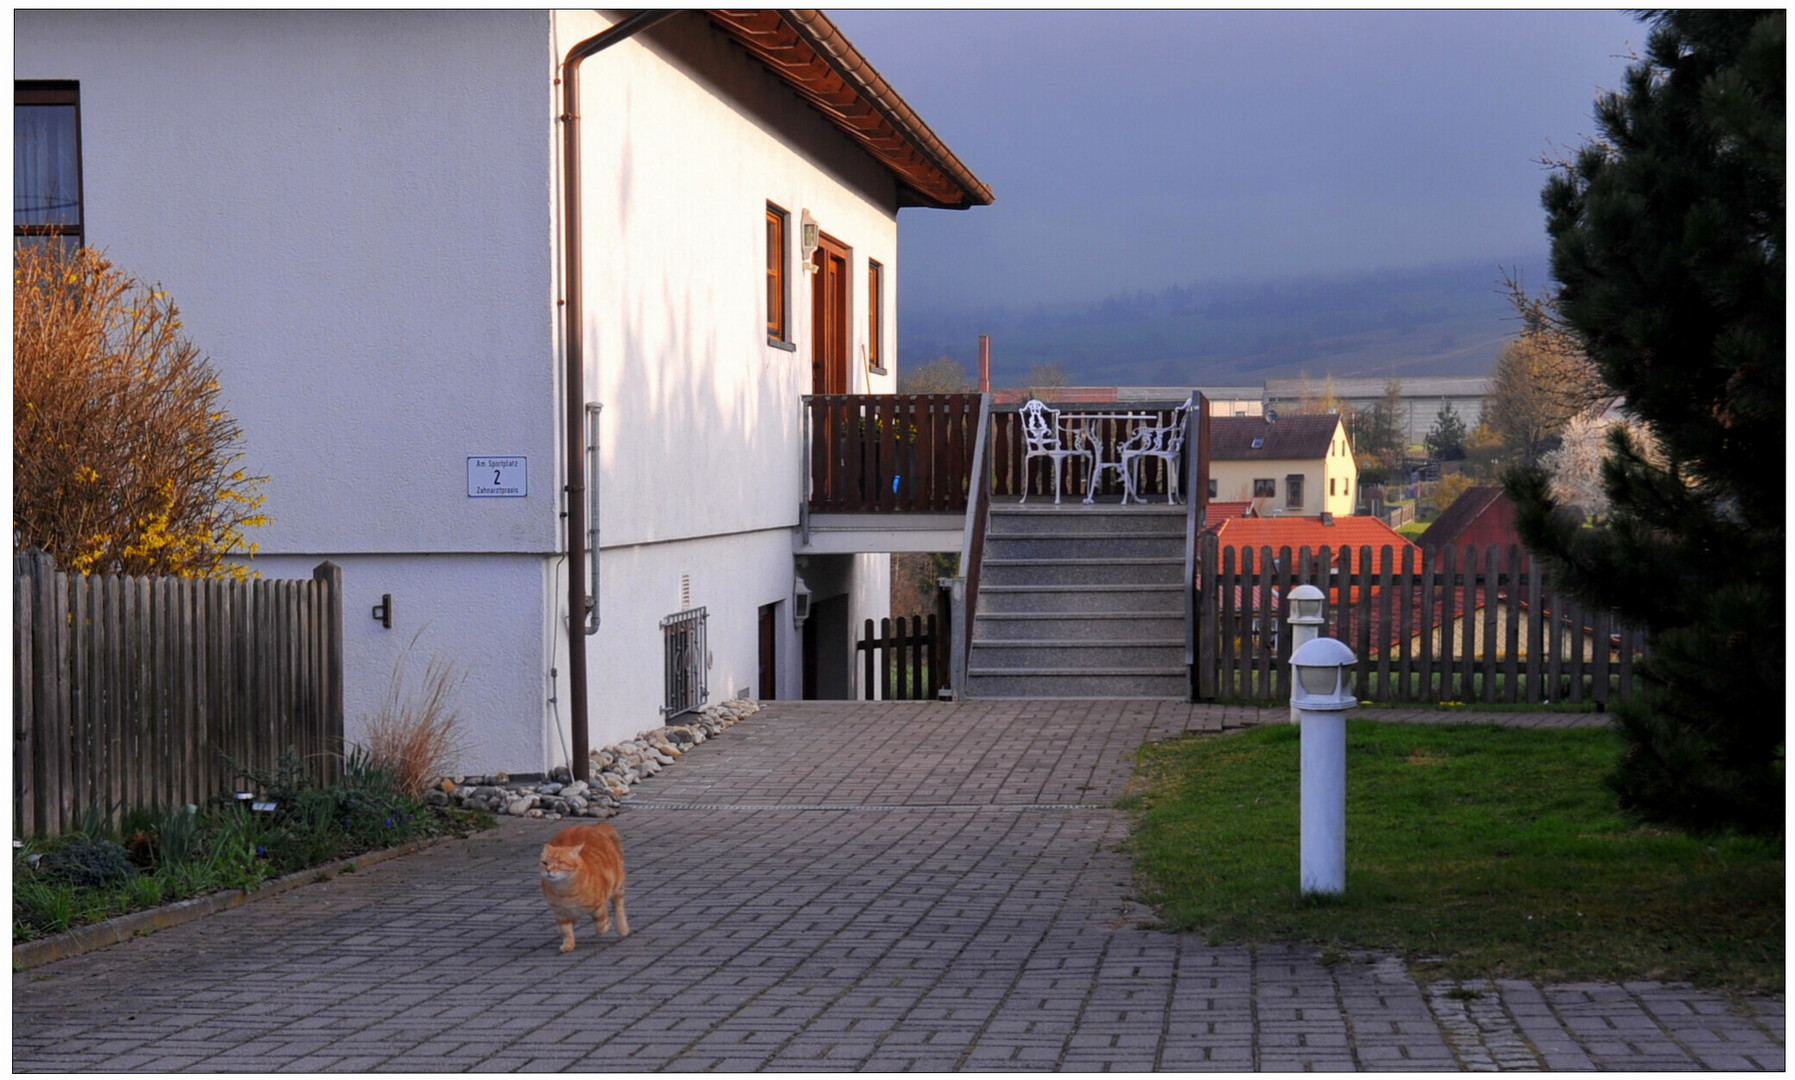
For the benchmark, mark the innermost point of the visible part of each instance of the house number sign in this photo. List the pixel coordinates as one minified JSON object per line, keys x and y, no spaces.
{"x":497,"y":477}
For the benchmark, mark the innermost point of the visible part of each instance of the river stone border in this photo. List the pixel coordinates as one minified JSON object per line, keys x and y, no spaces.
{"x":615,"y":769}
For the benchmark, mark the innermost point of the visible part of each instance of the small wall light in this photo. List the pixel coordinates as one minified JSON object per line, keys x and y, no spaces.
{"x":810,"y":235}
{"x":800,"y":601}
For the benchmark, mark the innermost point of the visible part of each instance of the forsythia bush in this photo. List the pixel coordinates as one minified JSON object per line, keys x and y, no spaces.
{"x":123,"y":459}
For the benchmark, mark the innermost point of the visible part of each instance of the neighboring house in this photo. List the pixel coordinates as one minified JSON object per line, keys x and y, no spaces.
{"x":1298,"y":465}
{"x":1423,"y":397}
{"x":1479,"y":517}
{"x":422,"y":272}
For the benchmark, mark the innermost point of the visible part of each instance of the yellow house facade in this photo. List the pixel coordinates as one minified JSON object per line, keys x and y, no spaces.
{"x":1289,"y":465}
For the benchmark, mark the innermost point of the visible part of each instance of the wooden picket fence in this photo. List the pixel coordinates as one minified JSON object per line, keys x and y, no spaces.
{"x":1467,"y":626}
{"x":906,"y":660}
{"x":131,"y":692}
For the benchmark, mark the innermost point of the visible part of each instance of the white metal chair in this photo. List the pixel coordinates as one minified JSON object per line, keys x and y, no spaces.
{"x":1041,"y":438}
{"x":1161,"y":442}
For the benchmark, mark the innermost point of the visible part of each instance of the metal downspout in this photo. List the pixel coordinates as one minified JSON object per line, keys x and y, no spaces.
{"x":578,"y":602}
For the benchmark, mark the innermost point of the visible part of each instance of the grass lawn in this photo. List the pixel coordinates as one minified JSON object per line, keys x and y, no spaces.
{"x":1474,"y":851}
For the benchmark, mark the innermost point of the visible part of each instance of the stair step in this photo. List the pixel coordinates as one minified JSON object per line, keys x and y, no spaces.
{"x":1111,"y":520}
{"x":1156,"y":599}
{"x":998,"y":683}
{"x":1088,"y":571}
{"x":1092,"y":547}
{"x":1075,"y":625}
{"x":1137,"y":655}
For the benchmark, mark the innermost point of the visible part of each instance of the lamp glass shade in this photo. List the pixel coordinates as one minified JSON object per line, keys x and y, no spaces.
{"x":810,"y":234}
{"x":1306,"y":607}
{"x":1318,"y":681}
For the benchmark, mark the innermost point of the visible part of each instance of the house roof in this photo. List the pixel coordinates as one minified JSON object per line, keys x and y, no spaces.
{"x":1302,"y":437}
{"x":1468,"y":507}
{"x":806,"y":50}
{"x":1219,"y":511}
{"x":1297,"y":532}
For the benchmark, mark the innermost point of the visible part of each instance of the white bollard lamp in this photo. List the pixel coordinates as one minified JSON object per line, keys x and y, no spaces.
{"x":1321,"y":697}
{"x":1304,"y":607}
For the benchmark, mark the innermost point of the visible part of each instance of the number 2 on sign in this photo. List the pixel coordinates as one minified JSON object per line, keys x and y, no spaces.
{"x":495,"y":478}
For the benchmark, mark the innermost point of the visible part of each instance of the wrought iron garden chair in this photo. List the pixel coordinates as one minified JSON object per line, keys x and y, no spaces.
{"x":1041,"y":436}
{"x":1166,"y":442}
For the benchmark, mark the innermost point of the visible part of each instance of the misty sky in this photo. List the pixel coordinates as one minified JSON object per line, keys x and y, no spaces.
{"x":1141,"y":149}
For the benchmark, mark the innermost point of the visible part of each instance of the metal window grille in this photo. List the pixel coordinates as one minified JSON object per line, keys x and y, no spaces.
{"x":683,"y":644}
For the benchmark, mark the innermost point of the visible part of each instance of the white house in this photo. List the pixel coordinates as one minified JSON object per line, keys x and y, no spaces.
{"x":438,"y":293}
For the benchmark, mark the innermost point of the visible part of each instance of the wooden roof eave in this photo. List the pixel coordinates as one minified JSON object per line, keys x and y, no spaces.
{"x":803,"y":48}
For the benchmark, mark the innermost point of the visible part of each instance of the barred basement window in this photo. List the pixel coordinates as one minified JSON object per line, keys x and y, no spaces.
{"x":685,"y":651}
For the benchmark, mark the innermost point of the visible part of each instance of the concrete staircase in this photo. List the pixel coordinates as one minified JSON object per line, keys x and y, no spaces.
{"x":1080,"y":602}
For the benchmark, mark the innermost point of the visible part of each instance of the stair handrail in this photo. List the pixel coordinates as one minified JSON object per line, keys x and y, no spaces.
{"x":972,"y":543}
{"x":1195,"y":503}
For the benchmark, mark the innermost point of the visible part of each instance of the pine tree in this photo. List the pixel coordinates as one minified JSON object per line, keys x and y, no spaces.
{"x":1667,"y":242}
{"x":1446,"y":439}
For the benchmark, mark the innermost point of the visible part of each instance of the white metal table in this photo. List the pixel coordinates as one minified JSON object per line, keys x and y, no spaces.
{"x":1091,"y":435}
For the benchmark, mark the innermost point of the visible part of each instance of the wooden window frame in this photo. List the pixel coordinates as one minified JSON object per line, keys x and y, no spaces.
{"x":56,"y":92}
{"x":875,"y":317}
{"x":779,"y":293}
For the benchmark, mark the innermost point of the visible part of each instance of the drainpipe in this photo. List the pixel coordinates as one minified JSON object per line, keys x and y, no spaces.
{"x":984,"y":363}
{"x":579,"y":603}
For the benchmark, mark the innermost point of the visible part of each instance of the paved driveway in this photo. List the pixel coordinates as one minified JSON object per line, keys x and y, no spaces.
{"x":833,"y":886}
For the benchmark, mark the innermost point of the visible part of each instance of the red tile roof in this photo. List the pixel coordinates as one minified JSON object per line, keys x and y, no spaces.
{"x":1296,"y":532}
{"x":1219,"y":511}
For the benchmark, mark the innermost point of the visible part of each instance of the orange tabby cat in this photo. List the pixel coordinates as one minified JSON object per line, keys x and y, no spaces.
{"x":582,"y":869}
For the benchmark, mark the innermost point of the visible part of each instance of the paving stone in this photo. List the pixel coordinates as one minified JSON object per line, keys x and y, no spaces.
{"x":942,"y":890}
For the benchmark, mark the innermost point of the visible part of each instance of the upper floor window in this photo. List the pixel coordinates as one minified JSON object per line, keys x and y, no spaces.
{"x":875,"y":316}
{"x":1293,"y":491}
{"x":1265,"y":489}
{"x":778,"y":328}
{"x":46,"y":163}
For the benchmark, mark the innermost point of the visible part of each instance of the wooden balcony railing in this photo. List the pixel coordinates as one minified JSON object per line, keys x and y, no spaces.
{"x":887,"y":453}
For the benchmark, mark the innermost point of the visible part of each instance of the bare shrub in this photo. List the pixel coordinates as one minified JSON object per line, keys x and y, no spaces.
{"x":124,"y":460}
{"x":417,"y":734}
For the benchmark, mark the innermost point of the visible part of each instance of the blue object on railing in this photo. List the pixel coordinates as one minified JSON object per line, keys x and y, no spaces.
{"x":894,"y":483}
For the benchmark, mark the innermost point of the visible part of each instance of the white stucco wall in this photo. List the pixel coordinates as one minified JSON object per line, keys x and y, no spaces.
{"x":685,"y":141}
{"x":358,"y":213}
{"x":351,"y":209}
{"x":494,"y":653}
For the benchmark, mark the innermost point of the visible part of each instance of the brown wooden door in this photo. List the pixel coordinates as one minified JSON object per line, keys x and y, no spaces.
{"x":829,"y":312}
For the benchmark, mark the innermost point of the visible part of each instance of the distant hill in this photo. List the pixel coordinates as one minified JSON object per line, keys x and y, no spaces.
{"x":1429,"y":321}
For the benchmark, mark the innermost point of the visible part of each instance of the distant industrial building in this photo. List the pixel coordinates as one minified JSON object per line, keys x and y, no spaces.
{"x":1424,"y":397}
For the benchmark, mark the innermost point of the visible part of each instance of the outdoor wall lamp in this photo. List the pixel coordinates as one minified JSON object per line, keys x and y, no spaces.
{"x":810,"y":235}
{"x":800,"y":601}
{"x":1320,"y":696}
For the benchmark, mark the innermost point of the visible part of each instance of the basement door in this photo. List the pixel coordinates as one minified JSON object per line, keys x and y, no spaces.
{"x":829,"y":311}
